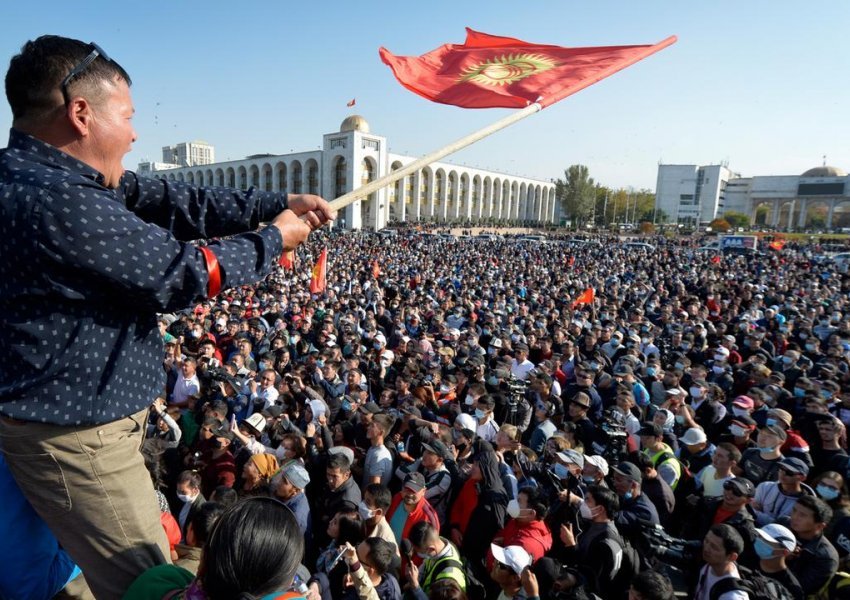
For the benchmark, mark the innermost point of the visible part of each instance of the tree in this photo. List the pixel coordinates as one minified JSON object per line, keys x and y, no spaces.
{"x":737,"y":219}
{"x":577,"y":194}
{"x":646,"y":227}
{"x":721,"y":225}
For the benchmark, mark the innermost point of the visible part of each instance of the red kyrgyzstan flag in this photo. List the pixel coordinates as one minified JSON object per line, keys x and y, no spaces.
{"x":376,"y":269}
{"x":319,"y":277}
{"x":777,"y":245}
{"x":586,"y":297}
{"x":490,"y":71}
{"x":287,"y":260}
{"x":715,"y":259}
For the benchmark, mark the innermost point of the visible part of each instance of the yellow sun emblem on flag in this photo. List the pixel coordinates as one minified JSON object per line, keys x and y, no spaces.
{"x":507,"y":69}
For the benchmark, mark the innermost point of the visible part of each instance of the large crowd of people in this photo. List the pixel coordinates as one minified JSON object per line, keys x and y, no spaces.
{"x":445,"y":420}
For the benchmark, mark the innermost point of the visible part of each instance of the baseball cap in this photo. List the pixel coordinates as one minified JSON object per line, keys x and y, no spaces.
{"x":775,"y":533}
{"x":598,"y":462}
{"x":273,"y":411}
{"x":437,"y":447}
{"x":741,"y":485}
{"x":651,"y":429}
{"x":414,"y":481}
{"x":467,"y":422}
{"x":371,"y":407}
{"x":296,"y":474}
{"x":782,"y":415}
{"x":514,"y":557}
{"x":744,"y":402}
{"x":795,"y":465}
{"x":630,"y":470}
{"x":692,"y":436}
{"x":572,"y":456}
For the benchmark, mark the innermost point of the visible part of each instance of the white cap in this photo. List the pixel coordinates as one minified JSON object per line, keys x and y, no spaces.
{"x":777,"y":534}
{"x":692,"y":436}
{"x":598,"y":462}
{"x":466,"y":422}
{"x":514,"y":557}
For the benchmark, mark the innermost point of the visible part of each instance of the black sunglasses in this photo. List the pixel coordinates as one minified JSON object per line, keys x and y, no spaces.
{"x":82,"y":66}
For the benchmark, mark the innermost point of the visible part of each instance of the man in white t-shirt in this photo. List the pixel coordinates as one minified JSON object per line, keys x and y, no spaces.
{"x":720,"y":549}
{"x":187,"y":384}
{"x":486,"y":426}
{"x":712,"y":477}
{"x":520,"y":365}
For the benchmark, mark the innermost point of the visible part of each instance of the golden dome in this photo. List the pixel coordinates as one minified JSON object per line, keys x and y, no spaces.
{"x":354,"y":123}
{"x":825,"y":171}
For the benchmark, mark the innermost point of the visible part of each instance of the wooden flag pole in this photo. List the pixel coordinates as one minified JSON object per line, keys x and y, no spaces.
{"x":374,"y":186}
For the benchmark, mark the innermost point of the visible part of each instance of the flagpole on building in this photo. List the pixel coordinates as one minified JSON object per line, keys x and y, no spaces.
{"x":374,"y":186}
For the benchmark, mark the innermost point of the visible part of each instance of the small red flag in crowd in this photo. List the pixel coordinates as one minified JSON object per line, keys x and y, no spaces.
{"x":319,"y":277}
{"x":586,"y":297}
{"x":351,"y":102}
{"x":376,"y":269}
{"x":287,"y":260}
{"x":715,"y":259}
{"x":571,"y":261}
{"x":490,"y":71}
{"x":777,"y":245}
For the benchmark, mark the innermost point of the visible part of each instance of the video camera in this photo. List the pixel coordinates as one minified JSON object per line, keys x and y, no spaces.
{"x":661,"y":545}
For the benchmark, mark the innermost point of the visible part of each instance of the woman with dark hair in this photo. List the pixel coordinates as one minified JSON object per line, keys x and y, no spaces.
{"x":488,"y":515}
{"x":252,"y":553}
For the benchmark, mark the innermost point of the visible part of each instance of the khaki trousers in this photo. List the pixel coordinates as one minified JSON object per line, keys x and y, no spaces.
{"x":91,"y":487}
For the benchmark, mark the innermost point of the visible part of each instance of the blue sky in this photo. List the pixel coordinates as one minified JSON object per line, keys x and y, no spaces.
{"x":760,"y":84}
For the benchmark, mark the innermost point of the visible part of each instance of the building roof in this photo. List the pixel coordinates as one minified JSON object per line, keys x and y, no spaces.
{"x":825,"y":171}
{"x":354,"y":123}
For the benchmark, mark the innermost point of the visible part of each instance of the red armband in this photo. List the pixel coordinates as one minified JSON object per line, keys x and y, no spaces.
{"x":214,"y":272}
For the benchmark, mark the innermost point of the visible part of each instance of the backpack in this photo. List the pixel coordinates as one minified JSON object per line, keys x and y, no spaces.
{"x":475,"y":590}
{"x":756,"y":585}
{"x":837,"y":588}
{"x":630,"y":562}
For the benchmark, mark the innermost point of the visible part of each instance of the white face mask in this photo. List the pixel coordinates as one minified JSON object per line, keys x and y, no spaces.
{"x":737,"y":430}
{"x":186,"y":498}
{"x":469,"y":400}
{"x":513,"y":508}
{"x":365,"y":511}
{"x":585,"y":511}
{"x":739,"y":412}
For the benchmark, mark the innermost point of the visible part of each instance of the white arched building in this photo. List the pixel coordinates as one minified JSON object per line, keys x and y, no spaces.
{"x":353,"y":156}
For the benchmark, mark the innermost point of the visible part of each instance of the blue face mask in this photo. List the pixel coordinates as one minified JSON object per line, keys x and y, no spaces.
{"x":561,"y":471}
{"x":261,"y":366}
{"x":771,"y":421}
{"x":827,"y":493}
{"x":346,"y":405}
{"x":479,"y":414}
{"x":763,"y":549}
{"x":651,"y":371}
{"x":799,"y":392}
{"x":627,"y":495}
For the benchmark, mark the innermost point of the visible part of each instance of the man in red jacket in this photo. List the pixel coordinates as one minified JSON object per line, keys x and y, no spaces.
{"x":409,"y":507}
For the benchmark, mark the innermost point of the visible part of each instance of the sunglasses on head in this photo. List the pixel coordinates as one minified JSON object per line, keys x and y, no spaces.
{"x":82,"y":66}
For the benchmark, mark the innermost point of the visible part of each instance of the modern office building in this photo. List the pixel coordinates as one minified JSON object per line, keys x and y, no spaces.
{"x":353,"y":156}
{"x":817,"y":200}
{"x":189,"y":154}
{"x":691,"y":194}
